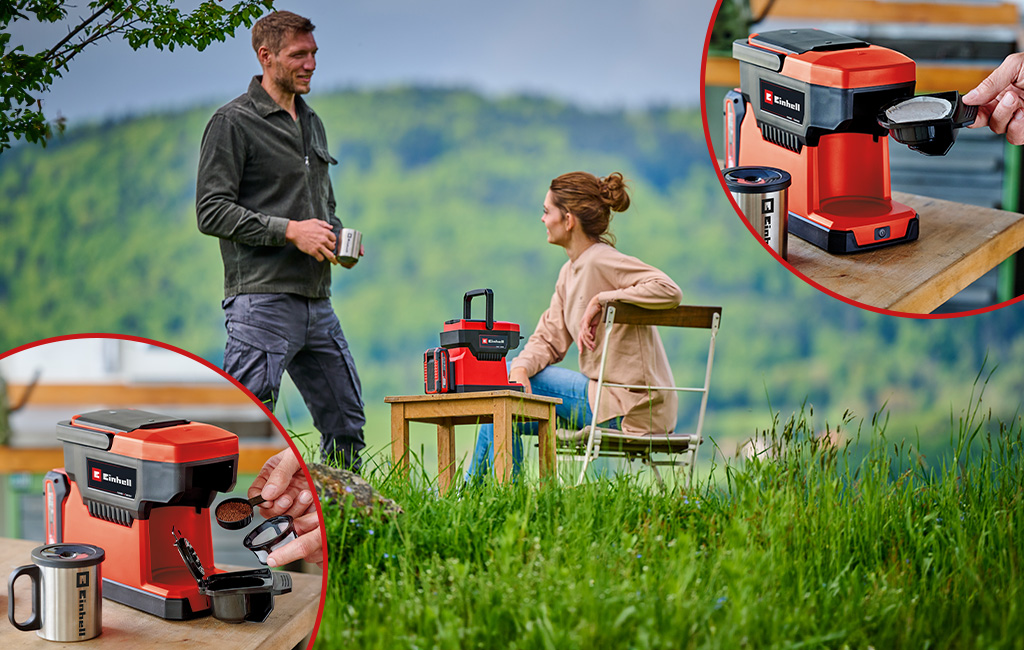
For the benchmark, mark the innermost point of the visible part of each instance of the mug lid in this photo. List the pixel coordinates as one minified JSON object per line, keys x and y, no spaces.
{"x":756,"y":180}
{"x":67,"y":556}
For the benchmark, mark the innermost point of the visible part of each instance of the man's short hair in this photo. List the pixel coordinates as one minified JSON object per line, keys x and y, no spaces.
{"x":272,"y":30}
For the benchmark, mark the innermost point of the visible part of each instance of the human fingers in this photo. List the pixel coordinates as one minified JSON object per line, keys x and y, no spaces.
{"x":291,"y":498}
{"x":281,"y":474}
{"x":327,"y":251}
{"x":307,"y":547}
{"x":1003,"y":112}
{"x":984,"y":112}
{"x":1015,"y":128}
{"x":519,"y":376}
{"x":306,"y":523}
{"x":299,"y":505}
{"x":264,"y":474}
{"x":1009,"y":73}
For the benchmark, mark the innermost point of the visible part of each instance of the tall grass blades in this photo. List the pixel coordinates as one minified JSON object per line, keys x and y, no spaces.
{"x":817,"y":539}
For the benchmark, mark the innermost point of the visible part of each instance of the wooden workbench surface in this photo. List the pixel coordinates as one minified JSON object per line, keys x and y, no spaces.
{"x":957,"y":245}
{"x":125,"y":628}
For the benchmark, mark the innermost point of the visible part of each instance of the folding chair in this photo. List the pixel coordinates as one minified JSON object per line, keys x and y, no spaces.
{"x":680,"y":447}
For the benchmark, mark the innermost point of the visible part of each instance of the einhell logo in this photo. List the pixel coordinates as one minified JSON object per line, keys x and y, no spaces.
{"x":115,"y":479}
{"x":83,"y":602}
{"x":127,"y":482}
{"x":782,"y":101}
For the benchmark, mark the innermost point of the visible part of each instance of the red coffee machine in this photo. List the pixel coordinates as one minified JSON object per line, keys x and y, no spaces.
{"x":130,"y":478}
{"x":472,"y":353}
{"x":808,"y":103}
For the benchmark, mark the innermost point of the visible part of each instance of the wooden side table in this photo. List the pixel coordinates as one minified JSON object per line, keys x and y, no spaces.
{"x":449,"y":409}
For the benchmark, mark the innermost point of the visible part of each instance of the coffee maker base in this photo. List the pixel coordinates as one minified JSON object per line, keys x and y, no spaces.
{"x":837,"y":241}
{"x":172,"y":609}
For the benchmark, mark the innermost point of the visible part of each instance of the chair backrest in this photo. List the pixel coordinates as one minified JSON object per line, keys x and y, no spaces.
{"x":690,"y":316}
{"x":681,"y":316}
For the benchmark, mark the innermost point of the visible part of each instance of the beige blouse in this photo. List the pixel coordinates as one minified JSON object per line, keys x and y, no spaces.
{"x":635,"y":353}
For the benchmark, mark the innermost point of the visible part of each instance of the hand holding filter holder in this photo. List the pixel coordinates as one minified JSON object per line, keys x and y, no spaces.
{"x":927,"y":124}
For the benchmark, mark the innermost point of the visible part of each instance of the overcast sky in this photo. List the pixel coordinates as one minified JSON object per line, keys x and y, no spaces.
{"x":596,"y":53}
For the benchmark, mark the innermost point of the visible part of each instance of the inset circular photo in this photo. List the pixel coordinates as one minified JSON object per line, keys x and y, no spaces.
{"x":125,"y":463}
{"x":866,"y":147}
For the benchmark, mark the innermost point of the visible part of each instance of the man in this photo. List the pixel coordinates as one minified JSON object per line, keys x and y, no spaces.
{"x":263,"y":189}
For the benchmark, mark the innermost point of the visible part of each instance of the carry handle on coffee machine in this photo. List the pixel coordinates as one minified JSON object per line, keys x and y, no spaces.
{"x":467,"y":304}
{"x":34,"y":622}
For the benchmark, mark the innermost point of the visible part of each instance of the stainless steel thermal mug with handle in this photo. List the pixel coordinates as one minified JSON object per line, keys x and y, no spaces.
{"x":66,"y":592}
{"x":762,"y":195}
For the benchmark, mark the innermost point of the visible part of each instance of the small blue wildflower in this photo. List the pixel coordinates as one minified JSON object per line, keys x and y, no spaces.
{"x":371,"y":531}
{"x":639,"y":555}
{"x":721,"y":601}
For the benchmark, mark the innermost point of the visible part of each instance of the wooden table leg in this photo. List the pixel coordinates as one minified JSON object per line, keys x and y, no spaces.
{"x":400,"y":438}
{"x":445,"y":455}
{"x":546,"y":443}
{"x":502,"y":440}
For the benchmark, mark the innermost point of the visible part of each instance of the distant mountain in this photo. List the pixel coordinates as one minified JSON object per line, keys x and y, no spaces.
{"x":99,"y":234}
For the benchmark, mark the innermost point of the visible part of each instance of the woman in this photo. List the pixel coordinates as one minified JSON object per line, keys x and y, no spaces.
{"x":577,"y":213}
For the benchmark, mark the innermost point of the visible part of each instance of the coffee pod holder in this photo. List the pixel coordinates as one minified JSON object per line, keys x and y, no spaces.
{"x":235,"y":596}
{"x":932,"y":137}
{"x":269,"y":536}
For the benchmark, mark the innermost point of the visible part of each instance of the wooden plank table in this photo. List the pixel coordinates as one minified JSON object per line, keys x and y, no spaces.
{"x":291,"y":621}
{"x":957,"y":245}
{"x":447,"y":410}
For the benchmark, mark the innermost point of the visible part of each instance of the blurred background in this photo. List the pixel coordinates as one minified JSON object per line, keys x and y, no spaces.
{"x":449,"y":121}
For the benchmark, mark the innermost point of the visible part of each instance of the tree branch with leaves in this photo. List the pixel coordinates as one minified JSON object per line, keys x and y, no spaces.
{"x":25,"y":77}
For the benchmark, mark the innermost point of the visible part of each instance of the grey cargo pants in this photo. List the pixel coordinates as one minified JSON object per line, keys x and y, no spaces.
{"x":269,"y":333}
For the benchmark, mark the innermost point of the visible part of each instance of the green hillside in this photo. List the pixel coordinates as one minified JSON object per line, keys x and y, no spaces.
{"x":99,"y":234}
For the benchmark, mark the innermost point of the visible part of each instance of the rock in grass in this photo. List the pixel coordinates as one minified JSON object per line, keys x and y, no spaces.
{"x":348,"y":489}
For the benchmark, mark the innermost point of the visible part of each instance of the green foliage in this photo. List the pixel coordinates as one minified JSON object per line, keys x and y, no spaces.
{"x":23,"y":76}
{"x":99,"y":235}
{"x":801,"y":546}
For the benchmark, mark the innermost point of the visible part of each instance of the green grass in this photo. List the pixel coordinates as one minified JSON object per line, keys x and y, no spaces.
{"x":805,"y":545}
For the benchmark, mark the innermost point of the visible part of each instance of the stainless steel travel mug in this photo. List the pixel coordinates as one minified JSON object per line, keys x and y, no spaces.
{"x":761,"y":193}
{"x":348,"y":245}
{"x":66,"y":592}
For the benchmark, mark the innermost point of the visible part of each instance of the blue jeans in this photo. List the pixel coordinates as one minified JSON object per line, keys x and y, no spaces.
{"x":269,"y":333}
{"x":573,"y":413}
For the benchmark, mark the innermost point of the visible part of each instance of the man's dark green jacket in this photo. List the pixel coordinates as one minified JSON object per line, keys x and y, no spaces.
{"x":258,"y":169}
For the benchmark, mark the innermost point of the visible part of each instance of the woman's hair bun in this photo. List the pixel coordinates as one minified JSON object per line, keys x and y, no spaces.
{"x":613,"y":192}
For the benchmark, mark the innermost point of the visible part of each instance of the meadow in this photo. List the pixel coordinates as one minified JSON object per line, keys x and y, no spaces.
{"x":803,"y":544}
